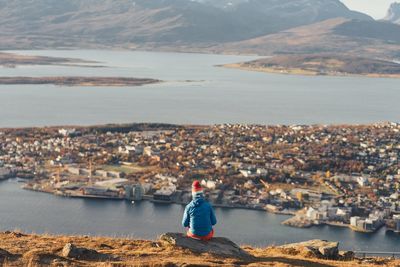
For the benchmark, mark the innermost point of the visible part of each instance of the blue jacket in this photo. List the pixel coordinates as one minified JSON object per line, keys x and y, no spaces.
{"x":199,"y":216}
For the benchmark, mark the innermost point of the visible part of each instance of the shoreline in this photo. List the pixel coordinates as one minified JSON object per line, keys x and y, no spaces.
{"x":302,"y":72}
{"x":294,"y":221}
{"x":147,"y":198}
{"x":10,"y":59}
{"x":78,"y":81}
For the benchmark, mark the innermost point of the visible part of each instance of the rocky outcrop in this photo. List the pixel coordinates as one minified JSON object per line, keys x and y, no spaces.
{"x":218,"y":246}
{"x":4,"y":255}
{"x":298,"y":222}
{"x":73,"y":252}
{"x":38,"y":257}
{"x":321,"y":249}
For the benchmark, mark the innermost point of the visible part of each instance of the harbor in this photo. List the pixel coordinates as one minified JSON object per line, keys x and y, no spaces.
{"x":45,"y":213}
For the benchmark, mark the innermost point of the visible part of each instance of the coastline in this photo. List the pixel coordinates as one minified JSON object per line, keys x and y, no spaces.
{"x":303,"y":72}
{"x":294,"y":221}
{"x":78,"y":81}
{"x":150,"y":199}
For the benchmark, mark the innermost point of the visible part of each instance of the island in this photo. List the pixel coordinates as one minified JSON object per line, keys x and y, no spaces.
{"x":78,"y":81}
{"x":322,"y":64}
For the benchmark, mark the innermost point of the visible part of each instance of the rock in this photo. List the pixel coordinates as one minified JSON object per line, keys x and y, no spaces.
{"x":71,"y":251}
{"x":16,"y":234}
{"x":317,"y":248}
{"x":347,"y":255}
{"x":218,"y":246}
{"x":4,"y":253}
{"x":105,"y":246}
{"x":299,"y":222}
{"x":41,"y":258}
{"x":310,"y":252}
{"x":330,"y":250}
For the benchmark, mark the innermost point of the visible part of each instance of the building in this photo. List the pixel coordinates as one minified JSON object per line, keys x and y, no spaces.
{"x":100,"y":191}
{"x":362,"y":181}
{"x":147,"y":151}
{"x":73,"y":170}
{"x":101,"y":173}
{"x":354,"y":220}
{"x":5,"y":173}
{"x":66,"y":132}
{"x":396,"y":219}
{"x":112,"y":182}
{"x":114,"y":174}
{"x":138,"y":192}
{"x":165,"y":194}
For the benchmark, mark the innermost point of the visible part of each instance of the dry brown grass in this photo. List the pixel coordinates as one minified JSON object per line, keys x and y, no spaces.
{"x":45,"y":250}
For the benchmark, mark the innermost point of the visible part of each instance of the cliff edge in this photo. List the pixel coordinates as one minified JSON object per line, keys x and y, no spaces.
{"x":172,"y":249}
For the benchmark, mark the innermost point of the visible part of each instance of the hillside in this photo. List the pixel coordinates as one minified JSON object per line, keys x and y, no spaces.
{"x":17,"y":249}
{"x":133,"y":23}
{"x":336,"y":36}
{"x":384,"y":31}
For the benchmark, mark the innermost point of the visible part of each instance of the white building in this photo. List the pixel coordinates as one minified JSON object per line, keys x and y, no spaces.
{"x":362,"y":181}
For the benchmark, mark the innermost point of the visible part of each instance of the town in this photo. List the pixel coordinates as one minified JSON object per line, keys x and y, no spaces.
{"x":339,"y":175}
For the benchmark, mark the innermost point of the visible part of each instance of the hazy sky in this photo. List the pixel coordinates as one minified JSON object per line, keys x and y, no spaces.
{"x":374,"y":8}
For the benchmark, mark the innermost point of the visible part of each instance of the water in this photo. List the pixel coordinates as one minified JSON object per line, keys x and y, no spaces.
{"x":218,"y":95}
{"x":42,"y":213}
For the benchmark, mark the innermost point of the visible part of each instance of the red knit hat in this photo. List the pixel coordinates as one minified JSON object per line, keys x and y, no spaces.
{"x":196,"y":187}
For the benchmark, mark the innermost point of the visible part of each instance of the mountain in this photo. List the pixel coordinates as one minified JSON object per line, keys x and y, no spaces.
{"x":54,"y":23}
{"x":393,"y":14}
{"x":384,"y":31}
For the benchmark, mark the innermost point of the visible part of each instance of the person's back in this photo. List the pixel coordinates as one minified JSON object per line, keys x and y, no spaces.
{"x":199,"y":216}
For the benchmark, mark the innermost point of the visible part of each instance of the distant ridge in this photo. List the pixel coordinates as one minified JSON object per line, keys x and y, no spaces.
{"x":370,"y":39}
{"x":129,"y":23}
{"x":393,"y":14}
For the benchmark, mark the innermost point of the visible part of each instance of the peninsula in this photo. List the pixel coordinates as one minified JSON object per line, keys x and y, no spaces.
{"x":78,"y":81}
{"x":322,"y":64}
{"x":12,"y":60}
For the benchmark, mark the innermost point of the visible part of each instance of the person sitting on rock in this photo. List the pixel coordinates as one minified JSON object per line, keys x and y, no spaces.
{"x":199,"y":217}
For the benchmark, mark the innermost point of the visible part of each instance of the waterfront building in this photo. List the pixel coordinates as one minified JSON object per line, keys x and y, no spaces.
{"x":396,"y":219}
{"x":128,"y":192}
{"x":138,"y":192}
{"x":4,"y":173}
{"x":100,"y":191}
{"x":354,"y":220}
{"x":165,"y":194}
{"x":311,"y":213}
